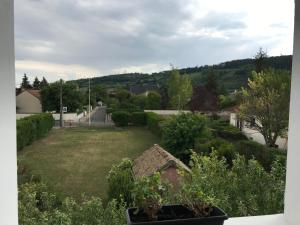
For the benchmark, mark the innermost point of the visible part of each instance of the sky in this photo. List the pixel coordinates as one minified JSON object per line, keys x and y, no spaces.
{"x":73,"y":39}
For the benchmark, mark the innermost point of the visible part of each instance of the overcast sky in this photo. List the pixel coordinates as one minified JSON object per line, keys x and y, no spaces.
{"x":70,"y":39}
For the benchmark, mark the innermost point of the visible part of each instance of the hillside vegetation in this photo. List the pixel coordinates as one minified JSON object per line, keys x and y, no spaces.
{"x":232,"y":74}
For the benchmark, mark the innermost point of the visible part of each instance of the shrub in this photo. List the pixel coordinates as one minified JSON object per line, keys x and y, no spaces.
{"x":154,"y":123}
{"x":138,"y":118}
{"x":222,"y":147}
{"x":120,"y":181}
{"x":120,"y":118}
{"x":180,"y":132}
{"x":33,"y":128}
{"x":266,"y":156}
{"x":243,"y":189}
{"x":37,"y":205}
{"x":148,"y":195}
{"x":222,"y":129}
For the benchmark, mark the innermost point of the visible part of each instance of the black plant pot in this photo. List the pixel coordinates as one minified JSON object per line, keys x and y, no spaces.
{"x":176,"y":215}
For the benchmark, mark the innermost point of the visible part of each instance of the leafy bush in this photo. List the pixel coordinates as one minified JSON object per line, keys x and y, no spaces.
{"x":33,"y":128}
{"x":148,"y":195}
{"x":222,"y":129}
{"x":180,"y":132}
{"x":266,"y":156}
{"x":120,"y":118}
{"x":39,"y":206}
{"x":244,"y":189}
{"x":222,"y":147}
{"x":138,"y":118}
{"x":120,"y":181}
{"x":154,"y":123}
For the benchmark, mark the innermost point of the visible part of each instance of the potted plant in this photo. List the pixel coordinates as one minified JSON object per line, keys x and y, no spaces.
{"x":195,"y":207}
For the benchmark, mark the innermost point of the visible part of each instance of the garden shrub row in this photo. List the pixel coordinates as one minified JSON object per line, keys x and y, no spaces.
{"x":33,"y":128}
{"x":124,"y":118}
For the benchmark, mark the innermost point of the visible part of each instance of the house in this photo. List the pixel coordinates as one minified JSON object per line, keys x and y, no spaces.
{"x":143,"y":89}
{"x":156,"y":159}
{"x":29,"y":101}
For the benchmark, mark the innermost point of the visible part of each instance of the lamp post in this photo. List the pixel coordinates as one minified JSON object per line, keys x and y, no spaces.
{"x":89,"y":101}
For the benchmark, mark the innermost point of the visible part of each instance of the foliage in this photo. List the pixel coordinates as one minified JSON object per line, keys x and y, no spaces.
{"x":153,"y":100}
{"x":260,"y":60}
{"x":180,"y":132}
{"x":226,"y":101}
{"x":139,"y":100}
{"x":138,"y":118}
{"x":120,"y":118}
{"x":266,"y":100}
{"x":179,"y":90}
{"x":44,"y":83}
{"x":25,"y":82}
{"x":227,"y":132}
{"x":266,"y":156}
{"x":37,"y":205}
{"x":148,"y":195}
{"x":203,"y":99}
{"x":154,"y":123}
{"x":33,"y":128}
{"x":123,"y":95}
{"x":36,"y":83}
{"x":72,"y":97}
{"x":244,"y":189}
{"x":121,"y":182}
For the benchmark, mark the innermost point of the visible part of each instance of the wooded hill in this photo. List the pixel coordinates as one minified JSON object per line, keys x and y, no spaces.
{"x":231,"y":75}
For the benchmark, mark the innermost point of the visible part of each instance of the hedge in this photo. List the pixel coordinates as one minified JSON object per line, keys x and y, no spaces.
{"x":228,"y":132}
{"x":120,"y":118}
{"x":138,"y":118}
{"x":33,"y":128}
{"x":263,"y":154}
{"x":154,"y":123}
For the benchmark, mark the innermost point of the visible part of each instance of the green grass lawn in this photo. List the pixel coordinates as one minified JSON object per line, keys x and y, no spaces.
{"x":75,"y":161}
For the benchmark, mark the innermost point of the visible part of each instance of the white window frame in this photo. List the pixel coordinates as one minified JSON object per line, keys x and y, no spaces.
{"x":8,"y":156}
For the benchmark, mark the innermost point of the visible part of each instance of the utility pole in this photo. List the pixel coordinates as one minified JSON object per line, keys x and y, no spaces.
{"x":61,"y":104}
{"x":89,"y":101}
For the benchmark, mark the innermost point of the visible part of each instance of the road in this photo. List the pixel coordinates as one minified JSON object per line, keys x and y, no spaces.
{"x":98,"y":115}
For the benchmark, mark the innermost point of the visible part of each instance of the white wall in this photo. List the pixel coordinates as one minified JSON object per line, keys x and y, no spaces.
{"x":292,"y":194}
{"x":8,"y":166}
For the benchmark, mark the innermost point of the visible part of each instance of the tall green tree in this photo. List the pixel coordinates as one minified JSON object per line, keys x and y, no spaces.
{"x":73,"y":99}
{"x":265,"y":103}
{"x":179,"y":90}
{"x":153,"y":100}
{"x":36,"y":83}
{"x":260,"y":60}
{"x":25,"y":82}
{"x":44,"y":83}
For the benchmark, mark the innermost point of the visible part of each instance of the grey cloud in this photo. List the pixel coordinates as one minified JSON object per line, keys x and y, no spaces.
{"x":107,"y":35}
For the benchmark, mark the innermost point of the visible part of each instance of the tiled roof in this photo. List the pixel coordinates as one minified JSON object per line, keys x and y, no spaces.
{"x":35,"y":93}
{"x":155,"y":159}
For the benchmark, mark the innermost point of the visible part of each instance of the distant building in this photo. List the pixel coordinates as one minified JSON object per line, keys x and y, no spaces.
{"x":143,"y":89}
{"x":156,"y":159}
{"x":29,"y":101}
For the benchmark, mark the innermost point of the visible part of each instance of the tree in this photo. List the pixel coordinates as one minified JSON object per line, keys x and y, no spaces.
{"x":260,"y":60}
{"x":25,"y":82}
{"x":139,"y":100}
{"x":211,"y":83}
{"x":153,"y":100}
{"x":265,"y":103}
{"x":179,"y":90}
{"x":73,"y":99}
{"x":43,"y":83}
{"x":36,"y":83}
{"x":180,"y":132}
{"x":203,"y":99}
